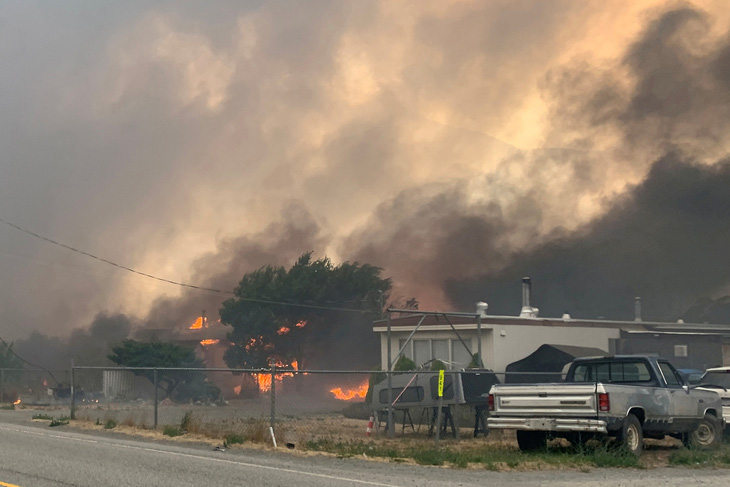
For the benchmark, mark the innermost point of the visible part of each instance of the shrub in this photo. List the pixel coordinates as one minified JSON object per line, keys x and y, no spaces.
{"x":110,"y":423}
{"x":172,"y":431}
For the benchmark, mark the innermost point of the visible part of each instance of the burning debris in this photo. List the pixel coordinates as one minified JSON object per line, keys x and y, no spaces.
{"x":359,"y":393}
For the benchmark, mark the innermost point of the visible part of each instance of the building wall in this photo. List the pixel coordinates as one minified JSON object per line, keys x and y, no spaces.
{"x":683,"y":351}
{"x":515,"y":342}
{"x":502,"y":345}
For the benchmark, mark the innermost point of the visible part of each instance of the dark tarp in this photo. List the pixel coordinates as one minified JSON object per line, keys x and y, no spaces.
{"x":547,"y":359}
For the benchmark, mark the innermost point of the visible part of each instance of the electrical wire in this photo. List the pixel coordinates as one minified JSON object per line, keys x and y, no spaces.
{"x":176,"y":283}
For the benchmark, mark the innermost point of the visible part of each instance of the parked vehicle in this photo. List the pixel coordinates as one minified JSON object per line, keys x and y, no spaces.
{"x":718,"y":379}
{"x":627,"y":397}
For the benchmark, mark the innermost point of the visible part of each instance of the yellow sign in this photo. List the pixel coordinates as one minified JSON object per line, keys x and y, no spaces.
{"x":441,"y":383}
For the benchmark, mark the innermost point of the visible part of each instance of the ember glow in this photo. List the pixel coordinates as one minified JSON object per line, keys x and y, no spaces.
{"x":205,"y":343}
{"x":283,"y":330}
{"x":351,"y":394}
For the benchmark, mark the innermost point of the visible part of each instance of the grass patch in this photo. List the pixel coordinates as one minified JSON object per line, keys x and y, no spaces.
{"x":42,"y":416}
{"x":491,"y":457}
{"x":58,"y":422}
{"x":694,"y":458}
{"x":172,"y":431}
{"x":233,"y":439}
{"x":8,"y":407}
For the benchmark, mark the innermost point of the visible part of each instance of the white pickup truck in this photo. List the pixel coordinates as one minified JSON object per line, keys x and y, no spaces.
{"x":627,"y":397}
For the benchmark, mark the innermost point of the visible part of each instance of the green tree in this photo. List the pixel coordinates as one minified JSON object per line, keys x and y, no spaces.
{"x":132,"y":353}
{"x":264,"y":328}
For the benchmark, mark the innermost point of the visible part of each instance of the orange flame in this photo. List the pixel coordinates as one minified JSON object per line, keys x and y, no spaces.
{"x":283,"y":330}
{"x":237,"y":390}
{"x":209,"y":341}
{"x":198,"y":324}
{"x":16,"y":402}
{"x":350,"y":394}
{"x":301,"y":324}
{"x":264,"y":380}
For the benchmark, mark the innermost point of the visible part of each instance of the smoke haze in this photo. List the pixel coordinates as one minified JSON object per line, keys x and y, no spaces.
{"x":457,"y":145}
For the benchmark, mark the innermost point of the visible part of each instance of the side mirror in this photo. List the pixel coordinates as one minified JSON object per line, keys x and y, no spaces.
{"x":685,"y":386}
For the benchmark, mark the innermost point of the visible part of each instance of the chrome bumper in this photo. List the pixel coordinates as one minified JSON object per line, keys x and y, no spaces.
{"x":548,"y":424}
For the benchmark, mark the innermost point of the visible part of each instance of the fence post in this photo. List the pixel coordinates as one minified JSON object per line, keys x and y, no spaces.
{"x":457,"y":393}
{"x":73,"y":392}
{"x":390,"y":424}
{"x":272,"y":421}
{"x":156,"y":395}
{"x":2,"y":385}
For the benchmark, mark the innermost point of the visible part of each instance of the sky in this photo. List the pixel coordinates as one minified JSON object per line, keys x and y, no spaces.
{"x":458,"y":145}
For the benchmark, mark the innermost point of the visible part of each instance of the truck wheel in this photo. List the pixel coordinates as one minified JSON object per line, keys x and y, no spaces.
{"x":707,"y":435}
{"x":631,"y":436}
{"x":531,"y":440}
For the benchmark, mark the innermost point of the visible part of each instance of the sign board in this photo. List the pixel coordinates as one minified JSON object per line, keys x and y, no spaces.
{"x":441,"y":383}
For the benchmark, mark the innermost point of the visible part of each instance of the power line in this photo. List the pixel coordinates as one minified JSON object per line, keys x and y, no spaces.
{"x":169,"y":281}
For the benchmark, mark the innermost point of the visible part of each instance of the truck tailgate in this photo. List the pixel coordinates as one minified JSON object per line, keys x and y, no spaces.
{"x":545,"y":400}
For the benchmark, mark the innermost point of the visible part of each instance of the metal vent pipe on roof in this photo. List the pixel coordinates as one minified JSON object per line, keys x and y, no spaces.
{"x":527,"y":310}
{"x":637,"y":308}
{"x":482,"y":309}
{"x":526,"y":288}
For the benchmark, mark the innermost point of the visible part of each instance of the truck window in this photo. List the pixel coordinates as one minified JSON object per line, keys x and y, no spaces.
{"x":671,"y":376}
{"x":612,"y":372}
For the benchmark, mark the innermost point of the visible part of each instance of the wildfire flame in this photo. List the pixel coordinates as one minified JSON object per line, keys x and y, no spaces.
{"x":209,"y":341}
{"x":16,"y":402}
{"x":237,"y":390}
{"x":283,"y":330}
{"x":351,"y":394}
{"x":264,"y":380}
{"x":301,"y":324}
{"x":199,"y":323}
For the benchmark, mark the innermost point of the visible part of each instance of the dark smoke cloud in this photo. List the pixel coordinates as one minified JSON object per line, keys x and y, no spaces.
{"x":666,"y":241}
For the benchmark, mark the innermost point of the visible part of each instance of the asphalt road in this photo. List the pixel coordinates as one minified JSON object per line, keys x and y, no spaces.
{"x":34,"y":455}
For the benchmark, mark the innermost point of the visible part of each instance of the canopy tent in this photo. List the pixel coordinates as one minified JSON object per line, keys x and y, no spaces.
{"x":549,"y":361}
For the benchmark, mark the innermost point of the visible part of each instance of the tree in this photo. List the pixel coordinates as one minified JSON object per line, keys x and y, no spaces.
{"x":287,"y":314}
{"x":132,"y":353}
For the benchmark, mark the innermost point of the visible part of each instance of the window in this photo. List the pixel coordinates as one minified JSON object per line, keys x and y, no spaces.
{"x":680,"y":350}
{"x":460,"y":356}
{"x":612,"y":372}
{"x":408,"y":351}
{"x":421,"y":351}
{"x":450,"y":351}
{"x":670,"y":375}
{"x":440,"y":350}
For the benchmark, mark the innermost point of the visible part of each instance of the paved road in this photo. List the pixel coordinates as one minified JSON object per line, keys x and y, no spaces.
{"x":33,"y":455}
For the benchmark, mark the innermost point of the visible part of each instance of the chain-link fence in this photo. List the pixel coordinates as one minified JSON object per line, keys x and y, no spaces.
{"x":290,"y":406}
{"x":39,"y":387}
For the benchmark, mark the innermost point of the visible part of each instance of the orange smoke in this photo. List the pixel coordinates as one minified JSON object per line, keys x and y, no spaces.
{"x":351,"y":394}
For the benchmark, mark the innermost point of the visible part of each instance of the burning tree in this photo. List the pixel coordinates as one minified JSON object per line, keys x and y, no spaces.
{"x":310,"y":310}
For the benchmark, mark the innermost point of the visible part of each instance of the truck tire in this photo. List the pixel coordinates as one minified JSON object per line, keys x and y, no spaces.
{"x":707,"y":435}
{"x":531,"y":440}
{"x":631,"y":436}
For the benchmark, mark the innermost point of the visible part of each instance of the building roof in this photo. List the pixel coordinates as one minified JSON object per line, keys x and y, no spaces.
{"x":436,"y":320}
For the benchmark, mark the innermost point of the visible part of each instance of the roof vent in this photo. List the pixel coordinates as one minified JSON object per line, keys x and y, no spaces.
{"x":527,"y":310}
{"x":482,"y":309}
{"x":566,"y":316}
{"x":637,"y":308}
